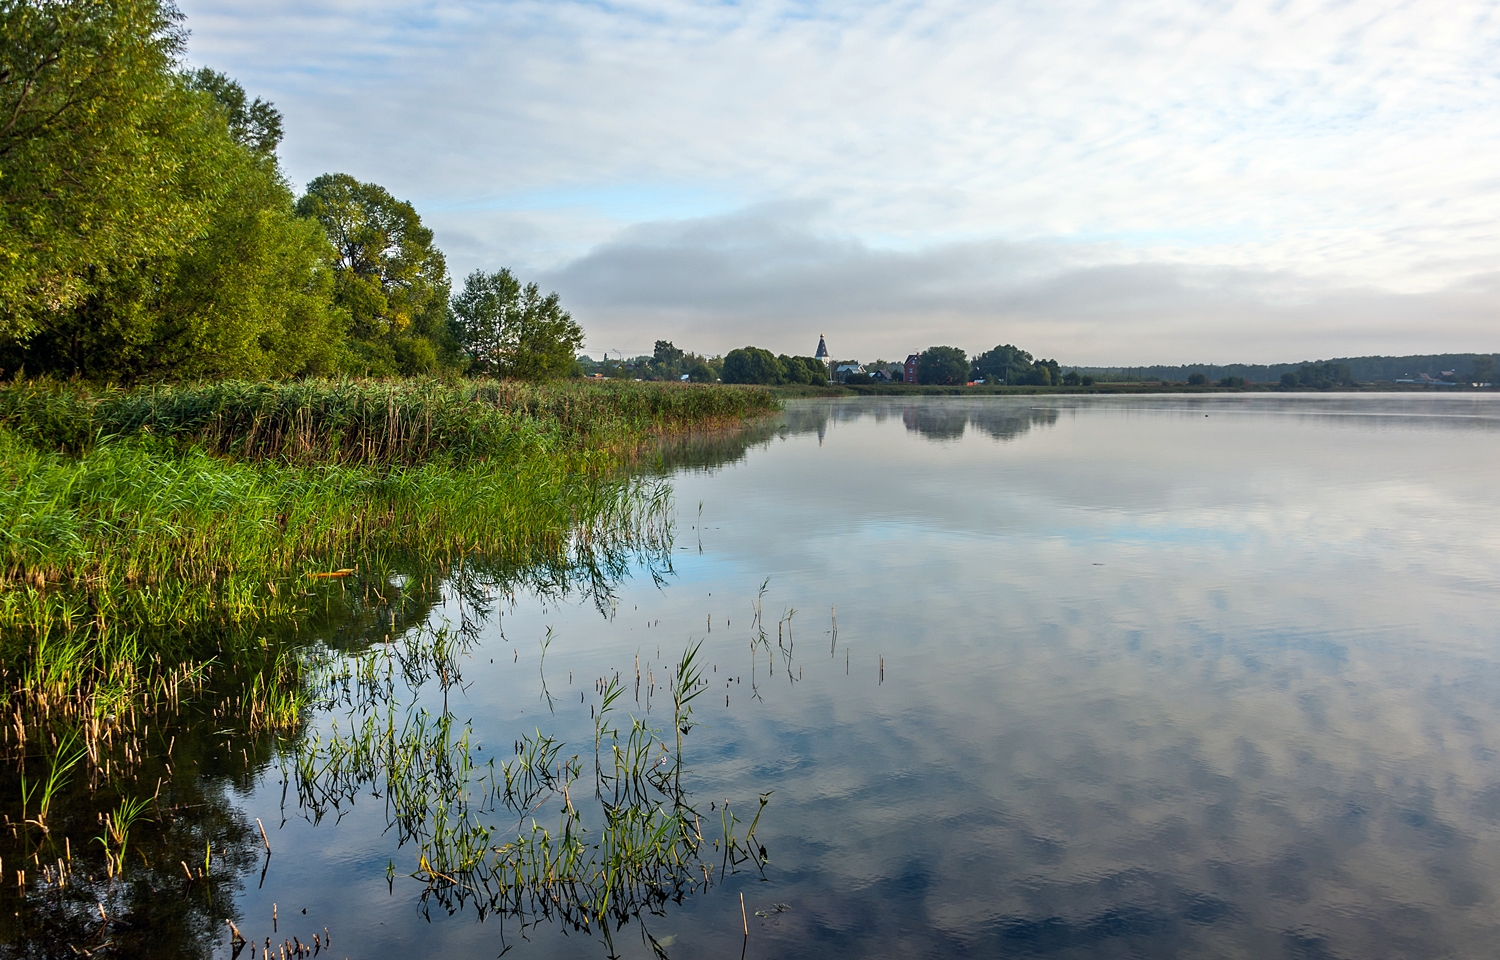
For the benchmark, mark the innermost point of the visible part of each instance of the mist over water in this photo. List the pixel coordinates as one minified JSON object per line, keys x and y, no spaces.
{"x":1146,"y":676}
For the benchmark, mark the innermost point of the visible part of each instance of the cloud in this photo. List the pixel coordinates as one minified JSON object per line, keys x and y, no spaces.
{"x":771,"y":277}
{"x":1337,"y":153}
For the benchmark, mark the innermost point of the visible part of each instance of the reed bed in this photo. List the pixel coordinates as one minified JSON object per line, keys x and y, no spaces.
{"x":141,"y":530}
{"x":377,"y":422}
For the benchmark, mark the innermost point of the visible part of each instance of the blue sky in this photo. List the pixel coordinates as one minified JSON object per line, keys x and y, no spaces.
{"x":1101,"y":182}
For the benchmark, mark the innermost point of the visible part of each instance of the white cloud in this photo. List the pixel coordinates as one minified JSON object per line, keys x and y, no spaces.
{"x":1336,"y":154}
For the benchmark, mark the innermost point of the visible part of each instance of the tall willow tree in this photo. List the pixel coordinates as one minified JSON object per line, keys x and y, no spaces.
{"x":389,"y":277}
{"x":91,"y":184}
{"x":147,"y":231}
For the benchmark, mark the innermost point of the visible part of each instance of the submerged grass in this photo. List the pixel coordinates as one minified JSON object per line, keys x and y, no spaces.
{"x":627,"y":838}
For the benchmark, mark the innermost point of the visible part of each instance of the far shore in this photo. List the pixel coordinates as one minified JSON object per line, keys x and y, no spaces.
{"x":1136,"y":387}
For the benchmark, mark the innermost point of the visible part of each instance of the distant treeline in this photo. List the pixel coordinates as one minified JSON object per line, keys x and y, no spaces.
{"x":1363,"y":369}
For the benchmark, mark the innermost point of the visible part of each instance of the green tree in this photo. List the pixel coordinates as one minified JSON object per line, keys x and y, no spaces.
{"x":92,"y":180}
{"x":255,"y":125}
{"x":244,"y":292}
{"x":942,"y":365}
{"x":388,"y":275}
{"x":751,"y":365}
{"x":1197,"y":379}
{"x":701,"y":372}
{"x":1484,"y":369}
{"x":513,"y":331}
{"x":1004,"y":363}
{"x":803,"y":370}
{"x":1318,"y":376}
{"x":665,"y":353}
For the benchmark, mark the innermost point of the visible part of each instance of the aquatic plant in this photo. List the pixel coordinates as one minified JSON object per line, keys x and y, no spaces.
{"x":622,"y":845}
{"x":375,"y":422}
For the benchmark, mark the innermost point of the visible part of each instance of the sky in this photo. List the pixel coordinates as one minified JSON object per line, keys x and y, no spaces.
{"x":1106,"y":183}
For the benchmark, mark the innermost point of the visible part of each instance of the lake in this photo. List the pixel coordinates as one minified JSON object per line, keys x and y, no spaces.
{"x":1025,"y":676}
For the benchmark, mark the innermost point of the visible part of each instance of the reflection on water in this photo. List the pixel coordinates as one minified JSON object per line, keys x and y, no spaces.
{"x":935,"y":421}
{"x":1162,"y":676}
{"x":146,"y":842}
{"x":1046,"y":677}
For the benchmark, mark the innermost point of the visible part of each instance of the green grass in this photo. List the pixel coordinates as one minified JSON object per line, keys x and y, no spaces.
{"x":375,"y":422}
{"x":143,"y":530}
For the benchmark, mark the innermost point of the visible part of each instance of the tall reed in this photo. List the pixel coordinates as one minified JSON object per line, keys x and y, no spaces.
{"x":143,"y":530}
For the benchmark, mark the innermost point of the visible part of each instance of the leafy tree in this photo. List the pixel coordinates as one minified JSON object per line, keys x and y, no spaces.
{"x":1072,"y":378}
{"x":387,"y":274}
{"x":1233,"y":382}
{"x":942,"y":365}
{"x":92,"y":181}
{"x":1484,"y":369}
{"x":1197,"y":379}
{"x":701,"y":372}
{"x":251,"y":298}
{"x":665,"y":353}
{"x":255,"y":125}
{"x":1006,"y":363}
{"x":752,"y":365}
{"x":513,"y":331}
{"x":804,"y":370}
{"x":244,"y":291}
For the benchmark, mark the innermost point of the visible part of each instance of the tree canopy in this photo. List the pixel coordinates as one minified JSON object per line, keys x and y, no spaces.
{"x":513,"y":331}
{"x":751,"y":365}
{"x":1318,"y":376}
{"x":255,"y":125}
{"x":144,"y":238}
{"x":388,"y":275}
{"x":943,"y":365}
{"x":755,"y":365}
{"x":92,"y":181}
{"x":666,"y":353}
{"x":1004,"y":363}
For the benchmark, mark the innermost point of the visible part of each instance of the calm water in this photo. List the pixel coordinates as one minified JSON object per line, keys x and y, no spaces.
{"x":1161,"y":677}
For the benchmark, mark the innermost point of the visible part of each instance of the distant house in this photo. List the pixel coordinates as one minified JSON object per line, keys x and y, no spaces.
{"x":844,"y":370}
{"x":909,"y":369}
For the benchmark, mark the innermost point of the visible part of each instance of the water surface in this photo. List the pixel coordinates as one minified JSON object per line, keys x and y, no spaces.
{"x":1043,"y":677}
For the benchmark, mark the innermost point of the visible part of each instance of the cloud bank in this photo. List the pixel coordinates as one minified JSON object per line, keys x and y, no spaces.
{"x":770,"y":277}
